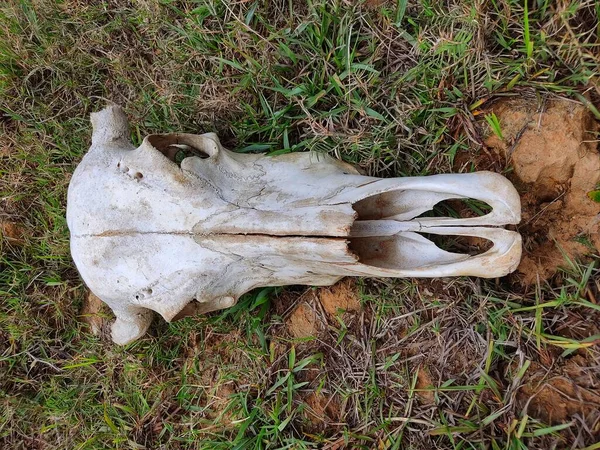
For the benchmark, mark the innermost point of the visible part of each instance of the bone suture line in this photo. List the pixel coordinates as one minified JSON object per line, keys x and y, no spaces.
{"x":378,"y":228}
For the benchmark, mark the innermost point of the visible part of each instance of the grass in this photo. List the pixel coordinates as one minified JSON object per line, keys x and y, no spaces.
{"x":395,"y":87}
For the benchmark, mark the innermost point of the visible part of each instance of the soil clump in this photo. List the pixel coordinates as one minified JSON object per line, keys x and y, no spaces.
{"x":553,"y":152}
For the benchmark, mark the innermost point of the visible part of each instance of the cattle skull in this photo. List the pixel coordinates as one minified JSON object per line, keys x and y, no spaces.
{"x":152,"y":232}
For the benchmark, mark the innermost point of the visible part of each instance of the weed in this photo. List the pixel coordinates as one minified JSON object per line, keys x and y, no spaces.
{"x":494,"y":124}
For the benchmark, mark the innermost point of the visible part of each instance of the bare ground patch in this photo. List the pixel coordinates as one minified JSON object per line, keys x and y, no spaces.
{"x":94,"y":314}
{"x":568,"y":390}
{"x":552,"y":149}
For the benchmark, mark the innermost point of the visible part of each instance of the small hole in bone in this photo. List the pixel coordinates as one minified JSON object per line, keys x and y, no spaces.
{"x":138,"y":176}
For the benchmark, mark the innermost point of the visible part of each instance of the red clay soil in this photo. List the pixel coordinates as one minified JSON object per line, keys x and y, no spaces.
{"x":562,"y":392}
{"x":553,"y":152}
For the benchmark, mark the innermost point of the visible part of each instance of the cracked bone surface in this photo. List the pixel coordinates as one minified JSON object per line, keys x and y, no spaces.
{"x":182,"y":226}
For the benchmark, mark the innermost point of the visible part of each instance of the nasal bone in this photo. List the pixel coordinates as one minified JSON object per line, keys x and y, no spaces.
{"x":390,"y":227}
{"x":407,"y":199}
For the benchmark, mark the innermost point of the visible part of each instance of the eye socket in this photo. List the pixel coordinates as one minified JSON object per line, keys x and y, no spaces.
{"x":180,"y":156}
{"x":176,"y":147}
{"x":183,"y":151}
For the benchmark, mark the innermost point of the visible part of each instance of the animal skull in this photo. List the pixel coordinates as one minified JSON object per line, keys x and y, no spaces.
{"x":151,"y":234}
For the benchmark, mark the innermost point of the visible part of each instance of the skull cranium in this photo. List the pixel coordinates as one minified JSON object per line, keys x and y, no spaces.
{"x":151,"y":234}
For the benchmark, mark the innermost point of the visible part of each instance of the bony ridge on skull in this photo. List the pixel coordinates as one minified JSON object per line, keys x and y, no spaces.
{"x":182,"y":225}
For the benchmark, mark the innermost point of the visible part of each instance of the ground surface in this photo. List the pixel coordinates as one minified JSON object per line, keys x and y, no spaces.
{"x":399,"y":89}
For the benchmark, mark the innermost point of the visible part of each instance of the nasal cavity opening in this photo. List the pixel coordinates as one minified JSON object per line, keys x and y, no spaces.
{"x":459,"y":208}
{"x":409,"y":204}
{"x":385,"y":235}
{"x":388,"y":215}
{"x":413,"y":250}
{"x":466,"y":245}
{"x":177,"y":147}
{"x":380,"y":206}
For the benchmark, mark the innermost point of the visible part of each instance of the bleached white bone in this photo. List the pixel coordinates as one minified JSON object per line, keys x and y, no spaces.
{"x":149,"y":234}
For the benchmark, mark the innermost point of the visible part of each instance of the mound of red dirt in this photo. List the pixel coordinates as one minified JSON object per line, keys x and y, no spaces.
{"x":560,"y":393}
{"x":303,"y":321}
{"x":553,"y":152}
{"x":341,"y":297}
